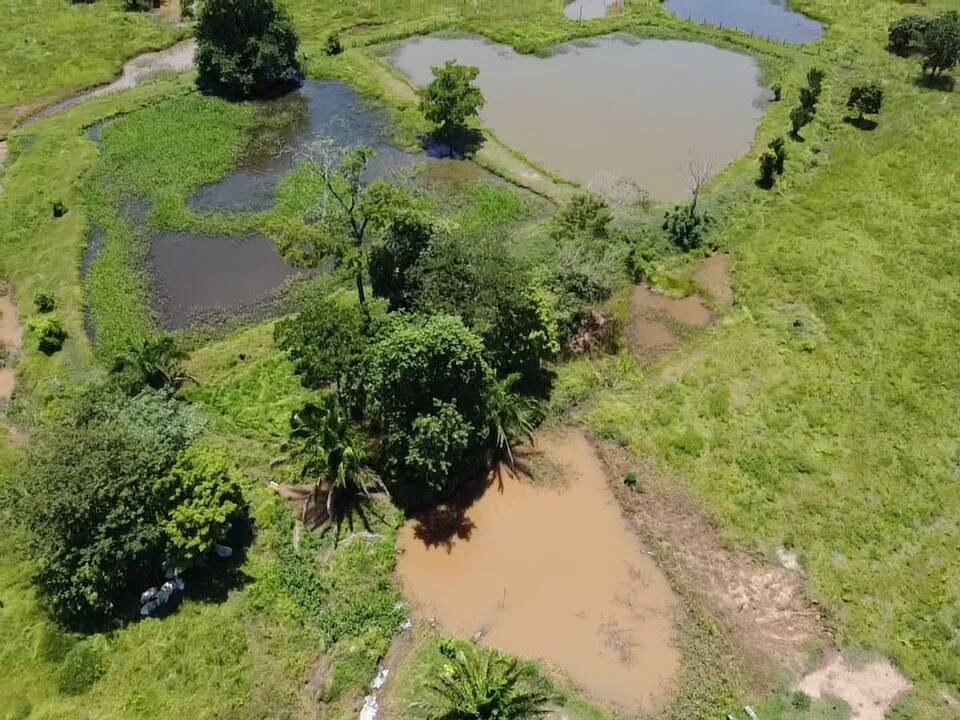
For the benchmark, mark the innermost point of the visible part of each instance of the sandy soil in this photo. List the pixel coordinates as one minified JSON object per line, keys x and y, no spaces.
{"x":870,"y":690}
{"x":715,"y":275}
{"x":11,"y":339}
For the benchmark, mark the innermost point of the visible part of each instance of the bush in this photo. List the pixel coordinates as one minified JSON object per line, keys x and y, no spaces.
{"x":779,"y":149}
{"x":686,"y":227}
{"x":333,"y":45}
{"x":245,"y":47}
{"x":865,"y":99}
{"x":427,"y":382}
{"x":799,"y":118}
{"x":138,"y":5}
{"x":82,"y":667}
{"x":44,"y":302}
{"x":906,"y":35}
{"x":89,"y":505}
{"x":941,"y":43}
{"x":50,"y":334}
{"x":768,"y":169}
{"x":205,"y":499}
{"x":584,"y":214}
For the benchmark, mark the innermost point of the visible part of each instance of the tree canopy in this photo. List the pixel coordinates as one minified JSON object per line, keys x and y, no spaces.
{"x":450,"y":101}
{"x":941,"y":43}
{"x":245,"y":47}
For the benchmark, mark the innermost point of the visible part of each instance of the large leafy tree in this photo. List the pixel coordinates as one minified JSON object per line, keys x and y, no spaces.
{"x":87,"y":497}
{"x":450,"y":102}
{"x":245,"y":47}
{"x":478,"y":684}
{"x":941,"y":43}
{"x":426,"y":383}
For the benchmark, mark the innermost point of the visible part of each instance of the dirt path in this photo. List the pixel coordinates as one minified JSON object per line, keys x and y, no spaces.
{"x":11,"y":342}
{"x":870,"y":690}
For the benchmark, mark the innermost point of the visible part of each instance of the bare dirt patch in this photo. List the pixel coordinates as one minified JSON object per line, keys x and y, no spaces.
{"x":870,"y":690}
{"x":551,"y":571}
{"x":715,"y":275}
{"x":11,"y":342}
{"x":764,"y":608}
{"x":657,"y":322}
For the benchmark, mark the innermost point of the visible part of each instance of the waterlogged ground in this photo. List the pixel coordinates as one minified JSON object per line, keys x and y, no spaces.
{"x":614,"y":106}
{"x":550,"y":570}
{"x":769,"y":18}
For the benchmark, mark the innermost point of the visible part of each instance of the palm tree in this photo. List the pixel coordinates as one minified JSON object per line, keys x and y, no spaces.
{"x":478,"y":684}
{"x":329,"y":452}
{"x":512,"y":417}
{"x":153,"y":362}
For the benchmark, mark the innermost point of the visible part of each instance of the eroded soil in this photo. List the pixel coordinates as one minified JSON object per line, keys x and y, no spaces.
{"x":870,"y":690}
{"x":11,"y":342}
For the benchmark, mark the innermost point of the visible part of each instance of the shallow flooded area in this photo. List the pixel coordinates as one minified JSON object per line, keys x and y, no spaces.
{"x":592,"y":9}
{"x":657,"y":321}
{"x":197,"y":276}
{"x":288,"y":126}
{"x":615,"y":106}
{"x":549,"y":569}
{"x":769,"y":18}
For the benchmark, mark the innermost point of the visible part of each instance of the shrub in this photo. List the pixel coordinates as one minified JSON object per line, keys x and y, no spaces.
{"x":941,"y":43}
{"x":83,"y":665}
{"x":865,"y":99}
{"x":800,"y":117}
{"x":333,"y":45}
{"x":44,"y":302}
{"x":779,"y":149}
{"x":815,"y":78}
{"x":204,"y":497}
{"x":686,"y":227}
{"x":584,"y":214}
{"x":768,"y":169}
{"x":777,"y":90}
{"x":138,"y":5}
{"x":245,"y":47}
{"x":50,"y":334}
{"x":59,"y":209}
{"x":906,"y":35}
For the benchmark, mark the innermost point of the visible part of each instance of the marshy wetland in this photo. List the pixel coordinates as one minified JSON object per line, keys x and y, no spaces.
{"x":591,"y":405}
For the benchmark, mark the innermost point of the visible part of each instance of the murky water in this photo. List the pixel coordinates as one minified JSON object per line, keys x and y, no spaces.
{"x":198,"y":276}
{"x":592,"y":9}
{"x":637,"y":109}
{"x":289,"y":125}
{"x":551,"y":571}
{"x":655,"y":320}
{"x":768,"y":18}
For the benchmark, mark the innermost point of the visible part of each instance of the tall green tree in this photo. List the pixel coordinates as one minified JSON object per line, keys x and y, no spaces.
{"x":865,"y":99}
{"x":245,"y":47}
{"x":450,"y":102}
{"x":941,"y":44}
{"x":905,"y":36}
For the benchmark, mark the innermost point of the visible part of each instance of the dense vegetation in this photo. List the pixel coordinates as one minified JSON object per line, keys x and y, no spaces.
{"x":817,"y":417}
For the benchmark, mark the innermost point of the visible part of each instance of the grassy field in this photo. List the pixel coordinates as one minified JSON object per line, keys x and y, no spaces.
{"x":53,"y":48}
{"x":819,"y":416}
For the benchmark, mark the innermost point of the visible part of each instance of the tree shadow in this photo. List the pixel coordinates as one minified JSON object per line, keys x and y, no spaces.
{"x":462,"y":144}
{"x":213,"y":581}
{"x":797,"y":137}
{"x":943,"y":83}
{"x":861,"y":123}
{"x":764,"y":183}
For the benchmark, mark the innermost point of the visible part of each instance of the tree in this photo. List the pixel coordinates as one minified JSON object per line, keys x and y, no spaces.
{"x":799,"y":118}
{"x":153,"y":362}
{"x":686,"y":226}
{"x":584,"y":214}
{"x":906,"y":34}
{"x":815,"y":78}
{"x":768,"y":169}
{"x":49,"y":332}
{"x":245,"y":47}
{"x":808,"y":100}
{"x":478,"y":684}
{"x":426,"y":382}
{"x":450,"y":101}
{"x":511,"y":417}
{"x":941,"y":43}
{"x":394,"y":257}
{"x":203,"y":498}
{"x":779,"y":149}
{"x":325,"y":340}
{"x":330,"y":453}
{"x":865,"y":99}
{"x":87,"y":499}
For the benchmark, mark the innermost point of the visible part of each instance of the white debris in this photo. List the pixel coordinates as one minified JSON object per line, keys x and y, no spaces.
{"x":380,"y":678}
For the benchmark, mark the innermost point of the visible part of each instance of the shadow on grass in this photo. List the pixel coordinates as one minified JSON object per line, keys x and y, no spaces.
{"x":861,"y":123}
{"x":943,"y":83}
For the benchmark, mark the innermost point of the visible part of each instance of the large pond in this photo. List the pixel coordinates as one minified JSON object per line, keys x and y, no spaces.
{"x":636,"y":109}
{"x":768,"y":18}
{"x":550,"y":570}
{"x":592,"y":9}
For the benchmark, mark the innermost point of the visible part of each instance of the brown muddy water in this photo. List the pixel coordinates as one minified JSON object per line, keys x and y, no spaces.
{"x":592,"y":9}
{"x":199,"y":276}
{"x":657,"y":321}
{"x":768,"y":18}
{"x":11,"y":340}
{"x":550,"y":570}
{"x":636,"y":109}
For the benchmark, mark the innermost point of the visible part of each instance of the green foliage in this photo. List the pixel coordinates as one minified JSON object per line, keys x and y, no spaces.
{"x":511,"y":417}
{"x":154,"y":363}
{"x":333,"y":45}
{"x":866,"y":99}
{"x":481,"y":684}
{"x":87,"y":500}
{"x":778,"y":147}
{"x":427,"y":383}
{"x":450,"y":101}
{"x":324,"y":341}
{"x":584,"y":214}
{"x":83,"y":665}
{"x":686,"y":227}
{"x":800,"y":117}
{"x":393,"y":258}
{"x":905,"y":36}
{"x":941,"y":43}
{"x":44,"y":302}
{"x":49,"y":332}
{"x":768,"y":169}
{"x":138,"y":5}
{"x":815,"y":78}
{"x":245,"y":47}
{"x":203,"y":496}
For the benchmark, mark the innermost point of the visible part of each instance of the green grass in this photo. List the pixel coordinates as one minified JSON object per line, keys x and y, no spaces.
{"x":50,"y":49}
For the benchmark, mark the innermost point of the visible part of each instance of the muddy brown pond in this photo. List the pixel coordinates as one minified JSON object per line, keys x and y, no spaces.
{"x":615,"y":105}
{"x":769,"y":18}
{"x":549,"y":570}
